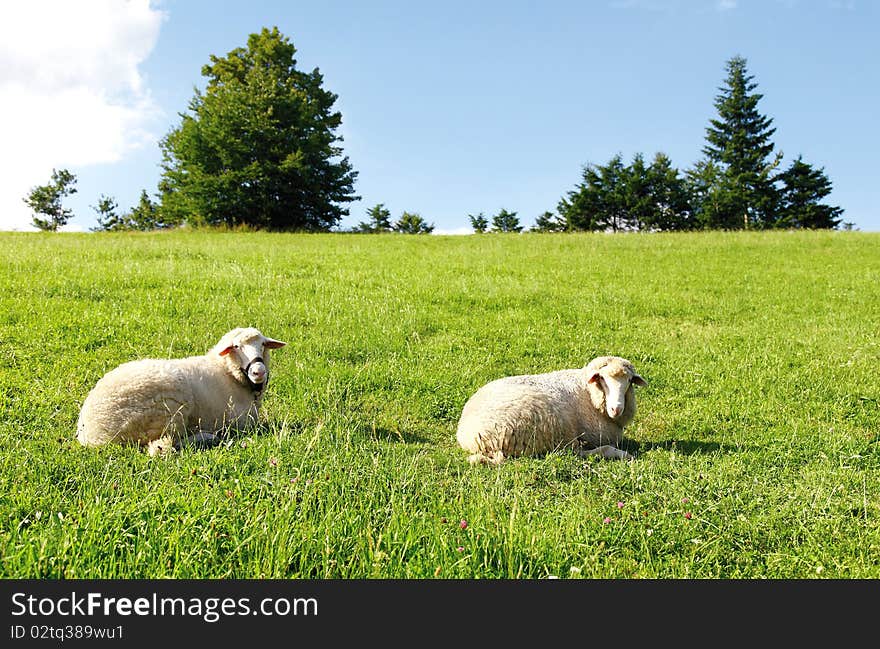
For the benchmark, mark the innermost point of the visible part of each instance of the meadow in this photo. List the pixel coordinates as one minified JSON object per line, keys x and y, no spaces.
{"x":757,"y":438}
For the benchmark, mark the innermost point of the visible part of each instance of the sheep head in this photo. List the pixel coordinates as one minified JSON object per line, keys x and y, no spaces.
{"x":246,"y":350}
{"x":610,"y":380}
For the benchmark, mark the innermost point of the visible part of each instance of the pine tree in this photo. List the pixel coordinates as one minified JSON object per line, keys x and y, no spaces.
{"x":710,"y":198}
{"x":581,"y":208}
{"x":613,"y":196}
{"x":670,"y":208}
{"x":412,"y":223}
{"x":600,"y":201}
{"x":46,"y":199}
{"x":146,"y":215}
{"x":638,"y":206}
{"x":108,"y":218}
{"x":479,"y":222}
{"x":800,"y":202}
{"x":506,"y":221}
{"x":549,"y":222}
{"x":379,"y":221}
{"x":739,"y":144}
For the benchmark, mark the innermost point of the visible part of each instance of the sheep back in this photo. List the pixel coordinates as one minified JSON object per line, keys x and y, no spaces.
{"x":143,"y":400}
{"x":532,"y":415}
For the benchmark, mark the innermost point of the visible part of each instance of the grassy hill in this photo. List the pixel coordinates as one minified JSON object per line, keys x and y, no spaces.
{"x":758,"y":438}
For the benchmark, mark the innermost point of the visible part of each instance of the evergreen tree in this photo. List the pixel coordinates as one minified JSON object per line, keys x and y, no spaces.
{"x":549,"y":222}
{"x":800,"y":203}
{"x":259,"y":146}
{"x":638,"y":207}
{"x":379,"y":221}
{"x":600,"y":200}
{"x":46,"y":199}
{"x":108,"y":218}
{"x":581,"y":208}
{"x":640,"y":196}
{"x":411,"y":223}
{"x":712,"y":198}
{"x":670,"y":208}
{"x":614,"y":177}
{"x":479,"y":222}
{"x":739,"y":144}
{"x":506,"y":221}
{"x":146,"y":215}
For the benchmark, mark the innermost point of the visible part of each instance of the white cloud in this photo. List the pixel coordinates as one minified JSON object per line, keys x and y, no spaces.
{"x":726,"y":5}
{"x":71,"y":93}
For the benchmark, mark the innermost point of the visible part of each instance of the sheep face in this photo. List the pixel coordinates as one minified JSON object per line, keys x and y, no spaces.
{"x":248,"y":349}
{"x":614,"y":378}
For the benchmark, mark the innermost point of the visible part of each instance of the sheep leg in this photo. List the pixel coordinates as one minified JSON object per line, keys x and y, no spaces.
{"x":494,"y":458}
{"x":161,"y":446}
{"x":198,"y":440}
{"x":606,"y":450}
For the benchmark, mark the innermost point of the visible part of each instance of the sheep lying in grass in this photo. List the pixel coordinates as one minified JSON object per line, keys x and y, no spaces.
{"x":162,"y":403}
{"x":583,"y":409}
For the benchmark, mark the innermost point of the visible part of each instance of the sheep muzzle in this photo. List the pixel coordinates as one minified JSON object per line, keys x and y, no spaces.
{"x":257,"y":374}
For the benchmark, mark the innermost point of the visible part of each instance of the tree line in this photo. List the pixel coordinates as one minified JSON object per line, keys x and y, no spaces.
{"x":258,"y":148}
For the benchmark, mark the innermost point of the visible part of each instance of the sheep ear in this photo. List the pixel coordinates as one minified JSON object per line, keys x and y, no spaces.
{"x":593,"y":377}
{"x":638,"y":380}
{"x":223,"y":352}
{"x":273,"y":344}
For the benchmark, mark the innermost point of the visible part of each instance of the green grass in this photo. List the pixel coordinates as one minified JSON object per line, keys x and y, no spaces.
{"x":761,"y":419}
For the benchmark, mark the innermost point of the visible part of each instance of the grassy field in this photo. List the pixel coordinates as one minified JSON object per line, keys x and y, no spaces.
{"x":758,"y":438}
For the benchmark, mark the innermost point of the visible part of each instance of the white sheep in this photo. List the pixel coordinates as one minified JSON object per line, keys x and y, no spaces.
{"x":162,"y":403}
{"x":583,"y":409}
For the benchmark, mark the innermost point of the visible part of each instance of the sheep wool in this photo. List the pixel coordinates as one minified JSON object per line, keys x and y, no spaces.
{"x":159,"y":403}
{"x":582,"y":409}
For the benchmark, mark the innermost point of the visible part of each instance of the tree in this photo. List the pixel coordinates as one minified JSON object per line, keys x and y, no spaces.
{"x":636,"y":202}
{"x":803,"y":189}
{"x":506,"y":221}
{"x":581,"y":207}
{"x":46,"y":199}
{"x":258,"y":146}
{"x":712,"y":197}
{"x":599,"y":201}
{"x":639,"y":196}
{"x":380,"y":220}
{"x":739,"y":143}
{"x":411,"y":223}
{"x":146,"y":215}
{"x":549,"y":222}
{"x":108,"y":218}
{"x":479,"y":222}
{"x":670,"y":207}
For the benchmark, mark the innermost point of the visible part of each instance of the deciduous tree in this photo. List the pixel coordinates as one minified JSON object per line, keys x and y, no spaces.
{"x":259,"y":146}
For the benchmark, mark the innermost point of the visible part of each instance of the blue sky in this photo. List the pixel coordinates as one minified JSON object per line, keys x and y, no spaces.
{"x":449,"y":108}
